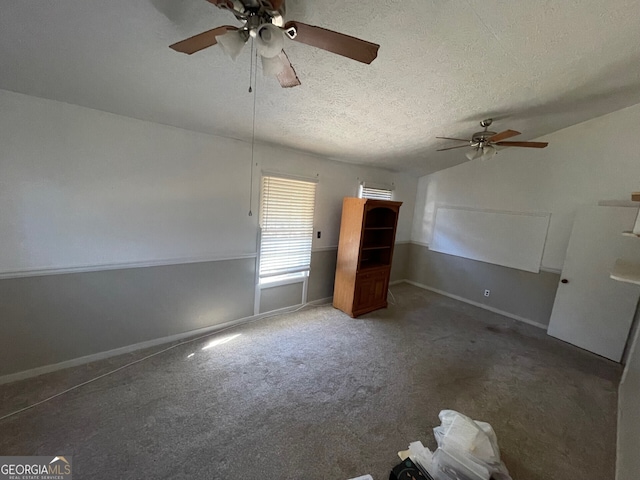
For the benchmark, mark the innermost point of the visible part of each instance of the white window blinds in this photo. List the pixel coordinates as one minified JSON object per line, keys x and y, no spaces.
{"x":286,"y":219}
{"x":375,"y":193}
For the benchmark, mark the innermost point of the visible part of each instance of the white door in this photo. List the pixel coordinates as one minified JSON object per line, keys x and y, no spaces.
{"x":591,"y":310}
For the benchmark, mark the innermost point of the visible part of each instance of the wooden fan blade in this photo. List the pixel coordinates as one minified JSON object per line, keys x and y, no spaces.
{"x":503,"y":135}
{"x":287,"y":76}
{"x":451,"y":148}
{"x":456,"y":139}
{"x":273,"y":4}
{"x":523,"y":144}
{"x":345,"y":45}
{"x":201,"y":41}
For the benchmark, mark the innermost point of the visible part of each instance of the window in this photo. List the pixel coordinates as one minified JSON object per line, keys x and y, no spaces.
{"x":375,"y":192}
{"x":286,"y":220}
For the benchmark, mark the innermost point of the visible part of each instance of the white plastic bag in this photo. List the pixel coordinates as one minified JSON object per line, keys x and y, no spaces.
{"x":455,"y":465}
{"x":421,"y":456}
{"x":467,"y":450}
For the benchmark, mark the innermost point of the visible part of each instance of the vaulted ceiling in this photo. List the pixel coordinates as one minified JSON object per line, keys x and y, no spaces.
{"x":443,"y":65}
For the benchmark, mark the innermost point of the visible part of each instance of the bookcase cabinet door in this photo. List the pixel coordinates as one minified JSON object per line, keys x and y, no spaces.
{"x":371,"y":291}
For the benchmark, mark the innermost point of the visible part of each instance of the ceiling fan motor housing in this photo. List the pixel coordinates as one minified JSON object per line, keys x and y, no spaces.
{"x":482,"y":137}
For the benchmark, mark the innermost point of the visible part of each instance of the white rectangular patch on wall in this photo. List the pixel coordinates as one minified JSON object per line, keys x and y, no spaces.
{"x":510,"y":239}
{"x":375,"y":192}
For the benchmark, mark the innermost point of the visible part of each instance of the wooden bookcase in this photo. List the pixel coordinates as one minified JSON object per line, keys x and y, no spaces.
{"x":367,"y":236}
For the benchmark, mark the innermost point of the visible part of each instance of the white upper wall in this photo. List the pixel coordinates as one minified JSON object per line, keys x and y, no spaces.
{"x":80,"y":187}
{"x":583,"y":164}
{"x":336,"y":181}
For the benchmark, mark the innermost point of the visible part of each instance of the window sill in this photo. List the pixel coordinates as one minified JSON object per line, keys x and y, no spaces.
{"x":283,"y":280}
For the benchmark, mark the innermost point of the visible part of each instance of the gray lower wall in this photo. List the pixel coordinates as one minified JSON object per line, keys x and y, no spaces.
{"x":628,"y":461}
{"x":524,"y":294}
{"x":50,"y":319}
{"x":320,"y":286}
{"x":322,"y":274}
{"x":54,"y":318}
{"x":400,"y":262}
{"x":282,"y":296}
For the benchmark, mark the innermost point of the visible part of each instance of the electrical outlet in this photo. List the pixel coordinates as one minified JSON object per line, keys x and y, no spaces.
{"x":487,"y":293}
{"x":319,"y":234}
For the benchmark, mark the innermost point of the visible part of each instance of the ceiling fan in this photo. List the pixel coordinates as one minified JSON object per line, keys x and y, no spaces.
{"x":484,"y":143}
{"x":264,"y":21}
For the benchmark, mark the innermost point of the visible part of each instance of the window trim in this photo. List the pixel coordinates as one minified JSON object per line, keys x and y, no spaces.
{"x":280,"y":221}
{"x":287,"y":278}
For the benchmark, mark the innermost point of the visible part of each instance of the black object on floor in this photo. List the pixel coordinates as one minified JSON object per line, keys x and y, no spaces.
{"x":407,"y":470}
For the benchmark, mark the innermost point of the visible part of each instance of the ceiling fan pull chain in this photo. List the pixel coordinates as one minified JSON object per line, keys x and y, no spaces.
{"x":254,"y":75}
{"x":251,"y":67}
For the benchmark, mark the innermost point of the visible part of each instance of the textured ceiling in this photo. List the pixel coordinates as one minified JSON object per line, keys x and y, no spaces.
{"x":443,"y":65}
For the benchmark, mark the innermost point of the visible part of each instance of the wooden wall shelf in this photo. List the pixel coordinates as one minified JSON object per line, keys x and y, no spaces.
{"x":623,"y":270}
{"x":628,"y":272}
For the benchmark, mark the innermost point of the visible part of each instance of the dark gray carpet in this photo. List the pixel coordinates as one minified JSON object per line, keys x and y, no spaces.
{"x":318,"y":395}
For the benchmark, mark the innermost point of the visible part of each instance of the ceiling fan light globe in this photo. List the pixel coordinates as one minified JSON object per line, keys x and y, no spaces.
{"x":488,"y":152}
{"x":474,"y":154}
{"x":232,"y":43}
{"x":269,"y":40}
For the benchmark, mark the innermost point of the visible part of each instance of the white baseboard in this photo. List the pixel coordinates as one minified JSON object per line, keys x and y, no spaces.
{"x":475,"y":304}
{"x":74,"y":362}
{"x":321,"y":301}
